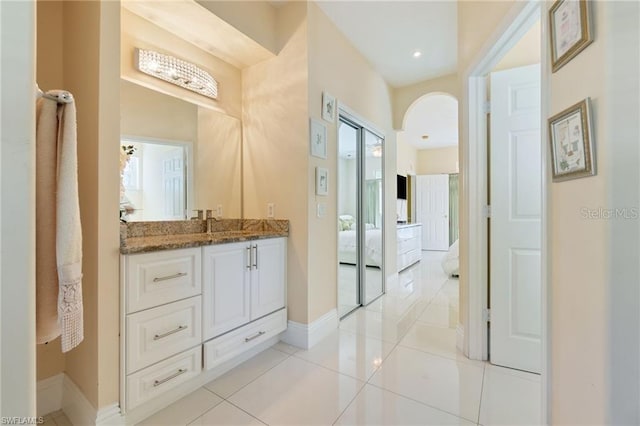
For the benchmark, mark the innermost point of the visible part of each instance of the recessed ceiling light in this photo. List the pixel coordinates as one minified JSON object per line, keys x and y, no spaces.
{"x":417,"y":54}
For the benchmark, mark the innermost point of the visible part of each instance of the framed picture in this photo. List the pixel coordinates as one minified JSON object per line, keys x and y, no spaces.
{"x":328,"y":107}
{"x":570,"y":29}
{"x":322,"y":181}
{"x":318,"y":138}
{"x":572,"y":147}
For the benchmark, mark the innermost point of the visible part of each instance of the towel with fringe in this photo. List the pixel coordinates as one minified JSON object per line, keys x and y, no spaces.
{"x":59,"y":309}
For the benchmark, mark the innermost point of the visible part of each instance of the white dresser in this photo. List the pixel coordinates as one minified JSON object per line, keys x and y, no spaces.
{"x":189,"y":310}
{"x":409,"y":244}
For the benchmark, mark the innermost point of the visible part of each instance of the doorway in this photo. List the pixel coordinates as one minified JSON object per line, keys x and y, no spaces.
{"x":475,"y":165}
{"x":360,"y":214}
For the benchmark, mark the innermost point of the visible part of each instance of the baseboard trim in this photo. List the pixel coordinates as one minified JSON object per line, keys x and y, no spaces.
{"x":110,"y":415}
{"x":305,"y":336}
{"x":75,"y":405}
{"x":49,"y":394}
{"x":460,"y":337}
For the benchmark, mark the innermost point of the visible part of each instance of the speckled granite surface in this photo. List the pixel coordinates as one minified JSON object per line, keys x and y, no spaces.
{"x":144,"y":237}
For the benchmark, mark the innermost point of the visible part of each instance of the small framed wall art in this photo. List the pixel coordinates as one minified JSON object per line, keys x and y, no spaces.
{"x":322,"y":181}
{"x":572,"y":147}
{"x":328,"y":107}
{"x":318,"y":138}
{"x":570,"y":29}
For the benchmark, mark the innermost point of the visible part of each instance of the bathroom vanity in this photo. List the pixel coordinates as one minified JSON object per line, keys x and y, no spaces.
{"x":193,"y":302}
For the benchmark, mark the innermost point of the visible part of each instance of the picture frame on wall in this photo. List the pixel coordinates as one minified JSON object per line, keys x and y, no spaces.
{"x":318,"y":138}
{"x":328,"y":107}
{"x":570,"y":30}
{"x":572,"y":145}
{"x":322,"y":181}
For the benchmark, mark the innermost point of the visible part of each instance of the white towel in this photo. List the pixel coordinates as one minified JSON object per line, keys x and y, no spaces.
{"x":68,"y":231}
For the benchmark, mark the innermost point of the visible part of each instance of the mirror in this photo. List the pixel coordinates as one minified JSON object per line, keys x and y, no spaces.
{"x":176,"y":157}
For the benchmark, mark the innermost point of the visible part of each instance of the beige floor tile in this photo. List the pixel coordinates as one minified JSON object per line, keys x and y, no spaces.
{"x":349,"y":353}
{"x":375,"y":406}
{"x":297,"y":392}
{"x":229,"y":383}
{"x":442,"y":316}
{"x":374,"y":324}
{"x":442,"y":383}
{"x":435,"y":340}
{"x":225,"y":414}
{"x":286,"y":348}
{"x":184,"y":410}
{"x":509,"y":400}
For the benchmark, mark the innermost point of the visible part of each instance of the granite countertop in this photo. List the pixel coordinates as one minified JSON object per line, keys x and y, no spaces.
{"x":144,"y":237}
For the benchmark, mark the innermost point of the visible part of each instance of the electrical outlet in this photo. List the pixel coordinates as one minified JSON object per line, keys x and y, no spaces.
{"x":219,"y":211}
{"x":321,"y":210}
{"x":271,"y":210}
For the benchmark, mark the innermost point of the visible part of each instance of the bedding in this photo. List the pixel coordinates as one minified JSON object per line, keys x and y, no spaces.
{"x":451,"y":261}
{"x":373,"y":244}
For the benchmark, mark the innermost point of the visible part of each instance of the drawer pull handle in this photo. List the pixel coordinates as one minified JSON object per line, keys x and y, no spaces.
{"x":255,"y":257}
{"x":260,"y":333}
{"x":169,"y":333}
{"x":173,"y":376}
{"x":170,"y":277}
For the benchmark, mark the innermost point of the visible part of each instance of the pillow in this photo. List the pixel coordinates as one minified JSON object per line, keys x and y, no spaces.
{"x":345,"y":222}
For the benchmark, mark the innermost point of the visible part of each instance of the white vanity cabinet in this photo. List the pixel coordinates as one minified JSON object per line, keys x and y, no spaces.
{"x":244,"y":290}
{"x":188,"y":307}
{"x":162,"y":325}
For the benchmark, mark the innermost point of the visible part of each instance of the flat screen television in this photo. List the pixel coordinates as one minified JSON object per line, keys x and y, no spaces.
{"x":402,"y":187}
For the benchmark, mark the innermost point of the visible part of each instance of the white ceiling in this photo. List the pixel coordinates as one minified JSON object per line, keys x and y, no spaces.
{"x":388,"y":32}
{"x":435,"y":116}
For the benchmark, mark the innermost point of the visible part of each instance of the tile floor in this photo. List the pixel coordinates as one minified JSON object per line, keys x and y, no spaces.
{"x":392,"y":363}
{"x":57,"y":418}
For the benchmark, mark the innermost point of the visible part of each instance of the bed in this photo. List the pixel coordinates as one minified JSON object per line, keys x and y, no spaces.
{"x":451,"y":261}
{"x":347,"y":243}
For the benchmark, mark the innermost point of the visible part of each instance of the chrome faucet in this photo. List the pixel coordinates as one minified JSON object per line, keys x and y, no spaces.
{"x":210,"y":219}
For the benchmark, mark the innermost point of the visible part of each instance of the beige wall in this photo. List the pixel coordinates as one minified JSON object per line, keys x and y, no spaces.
{"x":406,"y":156}
{"x":525,"y":52}
{"x":337,"y":67}
{"x":594,"y":343}
{"x":49,"y":75}
{"x":404,"y":97}
{"x":275,"y":152}
{"x":88,"y":66}
{"x":256,"y":19}
{"x":138,"y":32}
{"x":17,"y":211}
{"x":218,"y":163}
{"x":147,"y":113}
{"x":437,"y":161}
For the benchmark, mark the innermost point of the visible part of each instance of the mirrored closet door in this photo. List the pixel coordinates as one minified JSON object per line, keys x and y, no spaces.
{"x":360,"y":215}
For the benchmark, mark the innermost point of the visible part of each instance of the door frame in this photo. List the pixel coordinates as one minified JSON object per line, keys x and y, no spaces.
{"x":473,"y":159}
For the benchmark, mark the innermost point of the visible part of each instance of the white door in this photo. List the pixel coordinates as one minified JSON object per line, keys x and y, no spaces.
{"x":174,"y":184}
{"x":432,"y":210}
{"x":268,"y":276}
{"x":226,"y":270}
{"x":515,"y":182}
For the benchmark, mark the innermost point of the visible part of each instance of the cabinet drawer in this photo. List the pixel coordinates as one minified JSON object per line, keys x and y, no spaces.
{"x":227,"y":346}
{"x":161,"y":277}
{"x":161,"y":332}
{"x":150,"y":382}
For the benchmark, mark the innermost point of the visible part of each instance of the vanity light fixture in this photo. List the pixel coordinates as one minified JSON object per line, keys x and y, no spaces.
{"x":176,"y":71}
{"x":417,"y":54}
